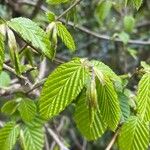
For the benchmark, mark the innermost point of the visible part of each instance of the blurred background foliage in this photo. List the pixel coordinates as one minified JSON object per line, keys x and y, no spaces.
{"x":107,"y":19}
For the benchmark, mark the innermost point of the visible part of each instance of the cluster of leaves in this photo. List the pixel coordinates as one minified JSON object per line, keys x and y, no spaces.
{"x":100,"y":97}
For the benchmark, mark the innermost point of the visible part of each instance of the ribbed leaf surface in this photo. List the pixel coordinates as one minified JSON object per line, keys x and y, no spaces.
{"x":27,"y":109}
{"x":109,"y":103}
{"x":124,"y":105}
{"x":1,"y":51}
{"x":93,"y":130}
{"x":61,"y":87}
{"x":143,"y":97}
{"x":32,"y":138}
{"x":32,"y":33}
{"x":134,"y":135}
{"x":57,"y":1}
{"x":8,"y":136}
{"x":105,"y":70}
{"x":65,"y":36}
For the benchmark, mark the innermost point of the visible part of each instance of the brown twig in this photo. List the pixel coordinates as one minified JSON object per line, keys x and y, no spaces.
{"x":111,"y":143}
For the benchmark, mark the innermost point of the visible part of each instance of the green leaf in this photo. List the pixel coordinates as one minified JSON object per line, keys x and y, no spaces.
{"x":93,"y":130}
{"x":143,"y":97}
{"x":14,"y":55}
{"x":62,"y":87}
{"x":129,"y":23}
{"x":8,"y":136}
{"x":2,"y":56}
{"x":4,"y":79}
{"x":109,"y":103}
{"x":33,"y":34}
{"x":124,"y":37}
{"x":32,"y":138}
{"x":55,"y":2}
{"x":9,"y":107}
{"x":137,"y":3}
{"x":27,"y":109}
{"x":145,"y":66}
{"x":103,"y":10}
{"x":105,"y":70}
{"x":124,"y":105}
{"x":51,"y":16}
{"x":134,"y":135}
{"x":65,"y":36}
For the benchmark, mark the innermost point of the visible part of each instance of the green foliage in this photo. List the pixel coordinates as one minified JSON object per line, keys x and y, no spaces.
{"x":109,"y":103}
{"x":137,"y":3}
{"x":32,"y":138}
{"x":1,"y":51}
{"x":62,"y":87}
{"x":65,"y":36}
{"x":134,"y":135}
{"x":31,"y":32}
{"x":93,"y":130}
{"x":124,"y":105}
{"x":27,"y":109}
{"x":14,"y":55}
{"x":54,"y":2}
{"x":103,"y":10}
{"x":143,"y":97}
{"x":4,"y":79}
{"x":9,"y":107}
{"x":129,"y":23}
{"x":8,"y":136}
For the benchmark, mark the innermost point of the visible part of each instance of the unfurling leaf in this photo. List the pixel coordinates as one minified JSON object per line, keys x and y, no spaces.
{"x":14,"y":55}
{"x":2,"y":56}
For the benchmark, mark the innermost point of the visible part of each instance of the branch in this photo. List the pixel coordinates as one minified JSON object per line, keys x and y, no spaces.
{"x":67,"y":10}
{"x":55,"y":137}
{"x":85,"y":30}
{"x":111,"y":143}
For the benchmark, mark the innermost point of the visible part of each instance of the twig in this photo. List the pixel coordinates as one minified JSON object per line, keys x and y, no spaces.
{"x":94,"y":34}
{"x":67,"y":10}
{"x":111,"y":143}
{"x":55,"y":137}
{"x":36,"y":9}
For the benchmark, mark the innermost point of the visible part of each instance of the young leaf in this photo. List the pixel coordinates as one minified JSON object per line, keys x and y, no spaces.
{"x":31,"y":32}
{"x":1,"y":51}
{"x":8,"y":136}
{"x":50,"y":16}
{"x":61,"y":88}
{"x":103,"y":10}
{"x":27,"y":109}
{"x":32,"y":138}
{"x":9,"y":107}
{"x":14,"y":55}
{"x":65,"y":36}
{"x":55,"y":2}
{"x":108,"y":103}
{"x":137,"y":3}
{"x":134,"y":135}
{"x":101,"y":68}
{"x":124,"y":37}
{"x":143,"y":97}
{"x":82,"y":119}
{"x":4,"y":79}
{"x":129,"y":23}
{"x":124,"y":105}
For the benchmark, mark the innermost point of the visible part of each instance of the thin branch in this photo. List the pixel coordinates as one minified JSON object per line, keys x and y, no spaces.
{"x":111,"y":143}
{"x":85,"y":30}
{"x":55,"y":137}
{"x":67,"y":10}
